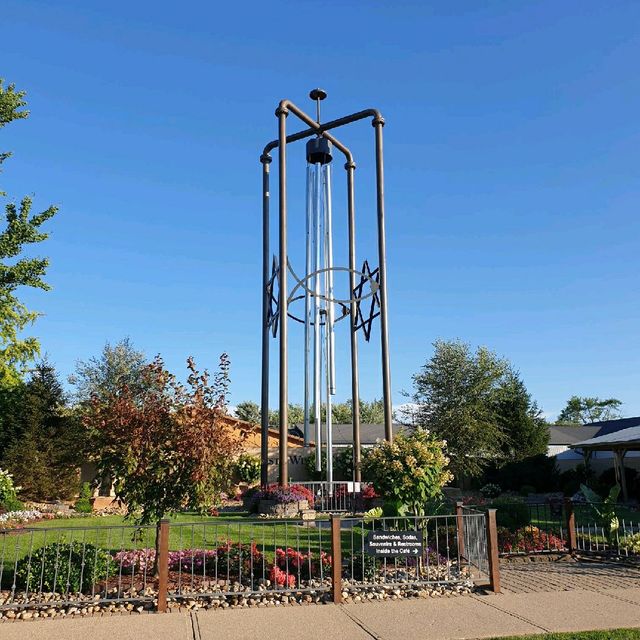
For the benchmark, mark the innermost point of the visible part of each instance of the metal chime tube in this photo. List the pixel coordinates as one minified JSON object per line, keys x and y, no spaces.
{"x":307,"y":305}
{"x":329,"y":317}
{"x":317,"y":336}
{"x":330,"y":309}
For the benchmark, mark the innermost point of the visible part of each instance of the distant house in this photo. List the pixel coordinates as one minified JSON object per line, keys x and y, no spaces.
{"x":369,"y":434}
{"x":561,"y":436}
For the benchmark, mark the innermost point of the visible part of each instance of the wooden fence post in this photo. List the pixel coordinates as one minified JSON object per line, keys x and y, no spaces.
{"x":460,"y":529}
{"x":492,"y":551}
{"x":163,"y":564}
{"x":336,"y":560}
{"x":572,"y":542}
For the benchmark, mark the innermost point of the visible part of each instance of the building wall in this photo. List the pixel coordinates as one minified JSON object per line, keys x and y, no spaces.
{"x":297,"y":469}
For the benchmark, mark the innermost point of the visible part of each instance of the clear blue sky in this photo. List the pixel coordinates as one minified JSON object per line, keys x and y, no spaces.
{"x":512,"y":166}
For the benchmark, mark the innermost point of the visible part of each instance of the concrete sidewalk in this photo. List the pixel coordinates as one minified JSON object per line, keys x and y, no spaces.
{"x":476,"y":616}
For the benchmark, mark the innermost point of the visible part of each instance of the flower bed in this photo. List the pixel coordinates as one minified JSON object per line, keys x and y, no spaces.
{"x":277,"y":495}
{"x":229,"y":559}
{"x":528,"y":540}
{"x":17,"y":519}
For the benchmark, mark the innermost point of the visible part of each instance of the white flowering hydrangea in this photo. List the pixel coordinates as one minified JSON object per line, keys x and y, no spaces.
{"x":7,"y":488}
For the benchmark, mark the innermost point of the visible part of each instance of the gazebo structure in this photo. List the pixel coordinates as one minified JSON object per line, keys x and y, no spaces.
{"x":620,"y":443}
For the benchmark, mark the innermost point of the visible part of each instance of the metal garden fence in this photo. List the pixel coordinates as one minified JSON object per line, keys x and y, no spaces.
{"x":56,"y":566}
{"x":622,"y":539}
{"x":338,"y":497}
{"x":564,"y":526}
{"x":447,"y":549}
{"x":233,"y":560}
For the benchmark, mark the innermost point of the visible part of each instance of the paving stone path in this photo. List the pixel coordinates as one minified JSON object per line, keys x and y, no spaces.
{"x":541,"y":577}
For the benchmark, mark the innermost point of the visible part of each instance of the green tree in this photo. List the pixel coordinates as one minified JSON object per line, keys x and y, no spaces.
{"x":520,"y":420}
{"x":454,"y":393}
{"x":22,"y":229}
{"x":100,"y":378}
{"x":341,"y":412}
{"x":371,"y":412}
{"x":11,"y":108}
{"x":296,"y":415}
{"x":477,"y":403}
{"x":47,"y":450}
{"x":580,"y":410}
{"x":248,"y":411}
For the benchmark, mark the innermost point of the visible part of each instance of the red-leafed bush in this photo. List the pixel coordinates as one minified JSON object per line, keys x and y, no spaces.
{"x":528,"y":540}
{"x":304,"y":565}
{"x":281,"y":578}
{"x":369,"y":493}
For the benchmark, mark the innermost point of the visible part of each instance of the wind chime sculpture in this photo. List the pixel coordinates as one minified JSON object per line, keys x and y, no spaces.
{"x":367,"y":298}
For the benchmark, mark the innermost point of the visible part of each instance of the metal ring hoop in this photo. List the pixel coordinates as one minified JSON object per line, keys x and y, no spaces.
{"x":302,"y":283}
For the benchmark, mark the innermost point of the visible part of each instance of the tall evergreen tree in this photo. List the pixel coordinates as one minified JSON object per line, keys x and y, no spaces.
{"x":520,"y":419}
{"x":48,"y":442}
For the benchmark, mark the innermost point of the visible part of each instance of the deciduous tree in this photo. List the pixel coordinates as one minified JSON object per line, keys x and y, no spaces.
{"x":118,"y":367}
{"x":248,"y":411}
{"x":477,"y":403}
{"x":581,"y":410}
{"x":165,"y":443}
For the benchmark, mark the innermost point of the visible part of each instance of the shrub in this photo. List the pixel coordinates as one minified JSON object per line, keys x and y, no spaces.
{"x":361,"y":567}
{"x":247,"y":468}
{"x":281,"y":578}
{"x":538,"y":471}
{"x":8,"y":498}
{"x":304,"y":565}
{"x":528,"y":540}
{"x":631,"y":543}
{"x":14,"y":519}
{"x":250,"y":499}
{"x":511,"y":513}
{"x":136,"y":559}
{"x":491,"y":490}
{"x":526,"y":489}
{"x":65,"y":567}
{"x":607,"y":479}
{"x":83,"y":503}
{"x":410,"y":472}
{"x":12,"y":504}
{"x":285,"y":495}
{"x":446,"y":537}
{"x":310,"y":466}
{"x":234,"y":559}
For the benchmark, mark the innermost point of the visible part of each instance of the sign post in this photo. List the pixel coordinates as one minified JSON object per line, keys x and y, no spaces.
{"x":394,"y":543}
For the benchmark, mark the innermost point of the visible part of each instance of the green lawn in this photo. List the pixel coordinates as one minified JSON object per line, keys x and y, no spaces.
{"x":611,"y":634}
{"x":187,"y":531}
